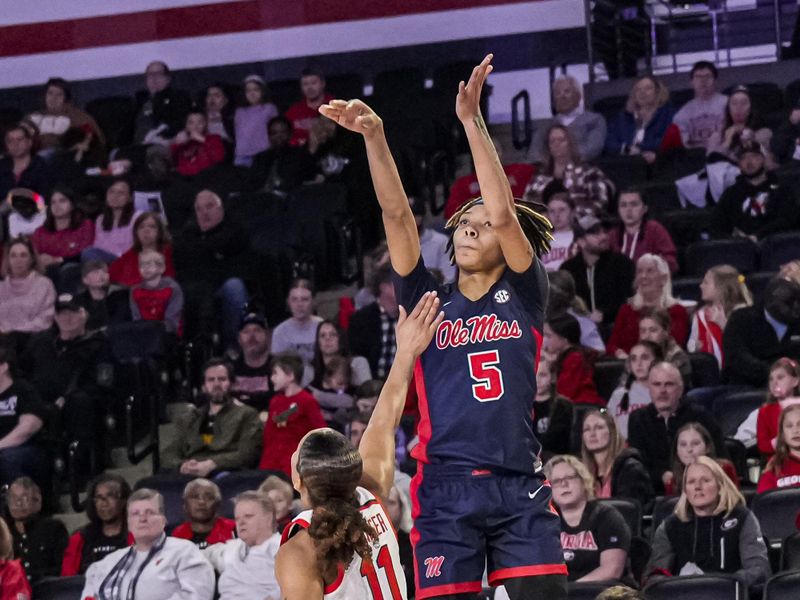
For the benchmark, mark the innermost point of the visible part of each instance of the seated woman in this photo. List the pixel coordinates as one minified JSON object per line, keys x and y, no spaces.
{"x":149,"y":233}
{"x":741,"y":123}
{"x":196,"y":149}
{"x":637,"y":235}
{"x":560,"y":211}
{"x":27,"y":298}
{"x":334,"y":393}
{"x":653,"y":285}
{"x":711,"y":531}
{"x":643,"y":128}
{"x":573,"y":365}
{"x":583,"y":519}
{"x":201,"y":501}
{"x":563,"y":298}
{"x":251,"y":121}
{"x":617,"y":471}
{"x":784,"y":391}
{"x":65,"y":232}
{"x":722,"y":290}
{"x":588,"y":187}
{"x":654,"y":326}
{"x":219,"y":112}
{"x":693,"y":440}
{"x":12,"y":573}
{"x":552,"y":413}
{"x":633,"y":393}
{"x":783,"y":469}
{"x":330,"y":343}
{"x":113,"y":229}
{"x":107,"y":530}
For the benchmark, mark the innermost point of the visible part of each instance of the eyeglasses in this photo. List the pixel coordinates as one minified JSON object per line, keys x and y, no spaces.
{"x":562,"y":480}
{"x":148,"y":514}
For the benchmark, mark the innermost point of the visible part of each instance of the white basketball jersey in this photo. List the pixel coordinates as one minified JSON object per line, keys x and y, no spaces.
{"x":383,"y":578}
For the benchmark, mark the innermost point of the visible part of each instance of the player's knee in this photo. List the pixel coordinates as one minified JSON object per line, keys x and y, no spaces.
{"x":551,"y":587}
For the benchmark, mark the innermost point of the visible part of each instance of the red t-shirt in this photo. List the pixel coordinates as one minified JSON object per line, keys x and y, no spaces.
{"x":192,"y":157}
{"x":290,"y":418}
{"x":625,"y":333}
{"x":15,"y":584}
{"x":576,"y":380}
{"x":125,"y":270}
{"x":788,"y":476}
{"x":302,"y":116}
{"x":65,"y":243}
{"x":466,"y":187}
{"x":223,"y":530}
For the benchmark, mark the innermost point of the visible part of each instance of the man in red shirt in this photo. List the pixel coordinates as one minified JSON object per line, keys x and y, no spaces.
{"x":303,"y":113}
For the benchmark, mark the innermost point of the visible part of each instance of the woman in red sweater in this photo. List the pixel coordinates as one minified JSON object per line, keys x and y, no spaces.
{"x":197,"y":149}
{"x":783,"y":469}
{"x":149,"y":233}
{"x":13,"y":581}
{"x":653,"y":285}
{"x":65,"y":231}
{"x":784,"y":391}
{"x":573,"y":365}
{"x":637,"y":235}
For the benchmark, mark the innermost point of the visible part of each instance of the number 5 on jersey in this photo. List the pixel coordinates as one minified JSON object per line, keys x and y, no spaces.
{"x":485,"y":372}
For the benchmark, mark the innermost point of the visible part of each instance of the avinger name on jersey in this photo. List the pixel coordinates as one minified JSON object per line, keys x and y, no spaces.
{"x":477,"y":329}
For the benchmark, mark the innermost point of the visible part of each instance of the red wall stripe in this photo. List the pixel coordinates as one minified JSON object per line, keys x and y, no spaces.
{"x":208,"y":19}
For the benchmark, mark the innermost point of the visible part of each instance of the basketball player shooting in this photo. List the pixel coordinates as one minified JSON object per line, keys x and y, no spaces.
{"x":479,"y":496}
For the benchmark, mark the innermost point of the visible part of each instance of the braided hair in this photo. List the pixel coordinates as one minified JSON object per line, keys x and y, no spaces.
{"x":536,"y":227}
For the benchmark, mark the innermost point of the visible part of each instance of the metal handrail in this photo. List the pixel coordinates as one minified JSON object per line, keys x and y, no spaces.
{"x":521,"y":128}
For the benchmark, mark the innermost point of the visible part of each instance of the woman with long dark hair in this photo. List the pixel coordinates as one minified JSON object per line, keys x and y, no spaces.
{"x":65,"y":232}
{"x":573,"y":365}
{"x":637,"y":234}
{"x":149,"y":233}
{"x":113,"y":229}
{"x":330,"y":343}
{"x":336,"y":547}
{"x":741,"y":123}
{"x":783,"y":469}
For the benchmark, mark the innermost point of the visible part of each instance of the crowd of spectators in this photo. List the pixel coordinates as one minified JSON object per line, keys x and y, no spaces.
{"x":88,"y":247}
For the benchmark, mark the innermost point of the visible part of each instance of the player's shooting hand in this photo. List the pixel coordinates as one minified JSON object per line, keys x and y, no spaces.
{"x":354,"y":115}
{"x":416,"y":330}
{"x":468,"y":100}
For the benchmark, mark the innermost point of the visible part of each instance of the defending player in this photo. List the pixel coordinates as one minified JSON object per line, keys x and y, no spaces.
{"x":344,"y":547}
{"x":479,"y":496}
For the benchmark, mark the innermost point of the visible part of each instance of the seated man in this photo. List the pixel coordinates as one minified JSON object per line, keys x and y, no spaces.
{"x":220,"y":435}
{"x":652,"y":429}
{"x":704,"y":114}
{"x":209,"y":255}
{"x":251,"y":384}
{"x":156,"y":567}
{"x":20,"y":167}
{"x":39,"y":542}
{"x":22,"y":415}
{"x":247,"y":565}
{"x":303,"y":113}
{"x":282,"y":167}
{"x":756,"y":336}
{"x":201,"y":501}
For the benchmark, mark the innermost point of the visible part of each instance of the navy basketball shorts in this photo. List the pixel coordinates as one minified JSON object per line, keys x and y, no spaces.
{"x":466,"y":520}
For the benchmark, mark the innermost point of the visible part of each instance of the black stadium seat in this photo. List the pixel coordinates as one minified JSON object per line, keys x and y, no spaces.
{"x":686,"y":288}
{"x":631,"y":511}
{"x":607,"y":376}
{"x":790,"y":553}
{"x":697,"y":587}
{"x":114,"y":116}
{"x":778,"y":249}
{"x":663,"y":507}
{"x":59,"y":588}
{"x":776,"y":510}
{"x":783,"y":586}
{"x":732,"y":409}
{"x":237,"y":482}
{"x":705,"y":369}
{"x":757,"y":283}
{"x":739,"y":253}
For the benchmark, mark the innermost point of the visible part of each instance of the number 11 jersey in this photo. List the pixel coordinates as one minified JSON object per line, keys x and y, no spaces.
{"x":476,"y":382}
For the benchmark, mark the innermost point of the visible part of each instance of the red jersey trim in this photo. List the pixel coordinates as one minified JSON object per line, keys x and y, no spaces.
{"x":414,"y":536}
{"x":329,"y":589}
{"x":288,"y":532}
{"x":497,"y":577}
{"x":420,"y":451}
{"x":538,"y":337}
{"x":450,"y":588}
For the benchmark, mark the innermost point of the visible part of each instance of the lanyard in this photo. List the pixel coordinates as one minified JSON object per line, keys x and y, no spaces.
{"x":117,"y":574}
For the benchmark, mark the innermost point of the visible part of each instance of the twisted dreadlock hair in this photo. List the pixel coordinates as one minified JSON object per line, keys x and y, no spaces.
{"x":536,"y":227}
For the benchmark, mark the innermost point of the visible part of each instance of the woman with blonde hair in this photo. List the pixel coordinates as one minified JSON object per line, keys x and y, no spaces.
{"x":711,"y":530}
{"x":653,"y":285}
{"x":642,"y":128}
{"x":723,"y":290}
{"x":582,"y":519}
{"x":15,"y":583}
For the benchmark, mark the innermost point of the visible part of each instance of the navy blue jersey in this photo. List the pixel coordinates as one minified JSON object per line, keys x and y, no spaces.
{"x":477,"y":380}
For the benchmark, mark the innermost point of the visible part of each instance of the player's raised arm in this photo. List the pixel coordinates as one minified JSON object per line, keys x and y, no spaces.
{"x":414,"y":332}
{"x":495,"y":189}
{"x":401,"y":231}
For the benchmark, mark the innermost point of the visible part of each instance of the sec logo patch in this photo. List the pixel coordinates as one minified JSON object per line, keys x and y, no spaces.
{"x":502,"y":296}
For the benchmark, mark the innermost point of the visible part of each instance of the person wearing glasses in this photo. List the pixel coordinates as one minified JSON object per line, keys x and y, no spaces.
{"x":594,"y":537}
{"x":156,"y":567}
{"x":106,"y":531}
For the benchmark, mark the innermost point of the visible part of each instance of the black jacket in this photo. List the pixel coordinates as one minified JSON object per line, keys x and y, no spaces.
{"x":169,"y":107}
{"x":750,"y":346}
{"x":211,"y":256}
{"x":653,"y":436}
{"x":41,"y":548}
{"x":613,"y":281}
{"x":365,"y":336}
{"x":556,"y":421}
{"x":630,"y":479}
{"x":780,"y":211}
{"x":36,"y":177}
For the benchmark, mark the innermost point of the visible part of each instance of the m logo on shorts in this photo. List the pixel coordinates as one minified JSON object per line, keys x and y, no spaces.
{"x":434,"y":566}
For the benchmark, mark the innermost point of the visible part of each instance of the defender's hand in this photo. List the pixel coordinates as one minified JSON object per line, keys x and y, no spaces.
{"x":415,"y":331}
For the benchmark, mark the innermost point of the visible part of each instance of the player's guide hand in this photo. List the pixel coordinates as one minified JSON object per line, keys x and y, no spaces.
{"x":354,"y":115}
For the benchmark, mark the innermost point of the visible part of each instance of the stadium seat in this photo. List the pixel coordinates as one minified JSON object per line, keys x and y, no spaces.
{"x":607,"y":376}
{"x":169,"y":485}
{"x":9,"y":116}
{"x":686,"y":226}
{"x":778,"y":249}
{"x":792,"y":93}
{"x":114,"y":116}
{"x":704,"y":396}
{"x":660,"y":197}
{"x":233,"y":484}
{"x":680,"y":97}
{"x":284,"y":92}
{"x":345,"y":85}
{"x":790,"y":553}
{"x":663,"y":507}
{"x":609,"y":107}
{"x":686,"y":288}
{"x":705,"y":369}
{"x":739,"y":253}
{"x":587,"y":590}
{"x":59,"y":588}
{"x":732,"y":409}
{"x":737,"y":453}
{"x":624,"y":170}
{"x":783,"y":586}
{"x":776,"y":510}
{"x":697,"y":587}
{"x":757,"y":283}
{"x":630,"y":509}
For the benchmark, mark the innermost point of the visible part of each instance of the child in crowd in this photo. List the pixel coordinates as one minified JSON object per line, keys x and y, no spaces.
{"x":281,"y":495}
{"x":784,"y":391}
{"x":633,"y":392}
{"x":106,"y":304}
{"x":293,"y":412}
{"x":560,"y":211}
{"x":654,"y":326}
{"x":333,"y":394}
{"x":157,"y":298}
{"x":691,"y":441}
{"x":783,"y":469}
{"x":573,"y":365}
{"x":552,"y":414}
